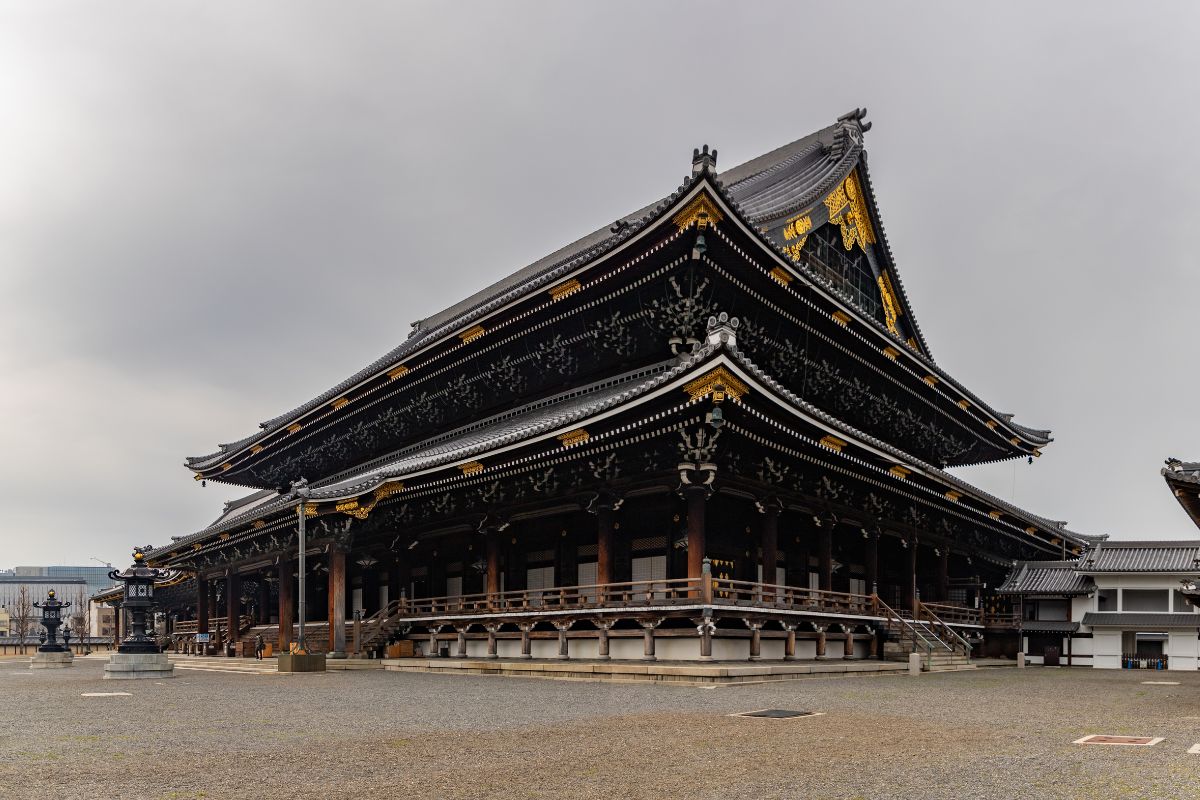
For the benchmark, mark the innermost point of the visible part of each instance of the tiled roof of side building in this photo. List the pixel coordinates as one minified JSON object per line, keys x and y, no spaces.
{"x":1142,"y":620}
{"x":1180,"y":556}
{"x":1045,"y":577}
{"x":1049,"y":626}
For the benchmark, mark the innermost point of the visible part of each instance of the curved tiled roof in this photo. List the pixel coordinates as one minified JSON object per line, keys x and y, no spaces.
{"x":794,"y":176}
{"x":1045,"y":577}
{"x":555,"y":413}
{"x":1179,"y":556}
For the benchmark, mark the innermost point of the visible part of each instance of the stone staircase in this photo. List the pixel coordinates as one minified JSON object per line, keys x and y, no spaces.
{"x":940,"y":648}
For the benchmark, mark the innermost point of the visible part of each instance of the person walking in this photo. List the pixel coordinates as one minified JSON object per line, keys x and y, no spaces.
{"x":259,"y":646}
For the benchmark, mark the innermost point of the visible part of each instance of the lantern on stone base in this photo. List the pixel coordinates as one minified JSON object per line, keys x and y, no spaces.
{"x":50,"y":653}
{"x":138,"y":655}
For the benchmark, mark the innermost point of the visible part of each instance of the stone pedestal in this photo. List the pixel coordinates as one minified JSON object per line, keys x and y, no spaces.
{"x":133,"y":666}
{"x":301,"y":662}
{"x":52,"y":660}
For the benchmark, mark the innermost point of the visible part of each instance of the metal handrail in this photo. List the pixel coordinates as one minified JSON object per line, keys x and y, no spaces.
{"x":944,"y":629}
{"x":912,"y":630}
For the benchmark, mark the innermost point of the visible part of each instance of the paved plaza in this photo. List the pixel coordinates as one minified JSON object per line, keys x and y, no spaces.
{"x":989,"y":733}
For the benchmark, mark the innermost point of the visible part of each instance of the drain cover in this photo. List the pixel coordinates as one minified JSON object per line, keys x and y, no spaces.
{"x":777,"y":713}
{"x":1128,"y":741}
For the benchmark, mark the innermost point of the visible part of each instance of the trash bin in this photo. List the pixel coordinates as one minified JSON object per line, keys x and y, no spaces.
{"x":1050,"y":658}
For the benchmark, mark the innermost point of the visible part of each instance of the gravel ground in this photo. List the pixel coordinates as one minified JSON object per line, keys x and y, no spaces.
{"x":998,"y":733}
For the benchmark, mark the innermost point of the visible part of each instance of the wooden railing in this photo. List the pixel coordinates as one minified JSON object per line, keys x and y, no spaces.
{"x":1003,"y":619}
{"x":631,"y":593}
{"x":791,"y":598}
{"x":955,"y":615}
{"x":939,"y":628}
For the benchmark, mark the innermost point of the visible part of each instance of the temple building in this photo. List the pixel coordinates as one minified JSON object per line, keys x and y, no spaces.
{"x":710,"y":430}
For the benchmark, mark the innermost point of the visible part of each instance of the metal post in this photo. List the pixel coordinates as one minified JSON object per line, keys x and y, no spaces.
{"x":300,"y":643}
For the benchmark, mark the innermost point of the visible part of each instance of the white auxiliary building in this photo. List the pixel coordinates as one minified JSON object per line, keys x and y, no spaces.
{"x":1118,"y":606}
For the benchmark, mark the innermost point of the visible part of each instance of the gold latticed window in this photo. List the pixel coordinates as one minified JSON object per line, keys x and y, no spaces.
{"x":848,"y":271}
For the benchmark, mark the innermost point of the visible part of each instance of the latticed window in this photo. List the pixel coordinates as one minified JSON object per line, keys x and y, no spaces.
{"x":847,"y":270}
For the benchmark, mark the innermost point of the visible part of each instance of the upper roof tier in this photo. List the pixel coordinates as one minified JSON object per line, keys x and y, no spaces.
{"x":816,"y":190}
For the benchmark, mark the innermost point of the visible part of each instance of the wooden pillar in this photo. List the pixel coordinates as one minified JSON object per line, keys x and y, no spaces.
{"x":233,"y":606}
{"x":706,"y":628}
{"x":563,"y":644}
{"x":825,"y":547}
{"x":697,"y":500}
{"x":493,"y":563}
{"x":872,"y":565}
{"x":910,"y":589}
{"x":526,"y":644}
{"x":337,"y":602}
{"x":789,"y":644}
{"x":943,"y":591}
{"x":605,"y":511}
{"x":648,"y":627}
{"x":603,"y":627}
{"x":820,"y":641}
{"x":462,"y":643}
{"x":262,"y":611}
{"x":491,"y":639}
{"x":848,"y":644}
{"x":285,"y":605}
{"x":755,"y":639}
{"x":770,"y":509}
{"x":201,"y":606}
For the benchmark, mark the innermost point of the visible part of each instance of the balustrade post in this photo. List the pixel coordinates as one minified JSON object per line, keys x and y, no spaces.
{"x":706,"y":583}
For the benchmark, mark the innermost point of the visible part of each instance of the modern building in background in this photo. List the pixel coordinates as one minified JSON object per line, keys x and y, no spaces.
{"x":72,"y":584}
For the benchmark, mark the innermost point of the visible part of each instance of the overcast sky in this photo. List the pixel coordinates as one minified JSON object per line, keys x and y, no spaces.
{"x":211,"y":212}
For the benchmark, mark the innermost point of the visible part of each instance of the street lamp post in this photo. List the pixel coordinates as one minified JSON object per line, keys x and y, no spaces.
{"x":301,"y":660}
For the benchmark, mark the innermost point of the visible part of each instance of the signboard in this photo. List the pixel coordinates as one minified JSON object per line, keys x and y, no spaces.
{"x":202,"y":637}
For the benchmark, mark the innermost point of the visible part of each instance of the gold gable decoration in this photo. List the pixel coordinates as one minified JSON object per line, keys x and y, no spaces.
{"x":701,"y":211}
{"x":359,"y":509}
{"x":891,"y":308}
{"x":716,"y":381}
{"x":848,"y":208}
{"x":795,"y":234}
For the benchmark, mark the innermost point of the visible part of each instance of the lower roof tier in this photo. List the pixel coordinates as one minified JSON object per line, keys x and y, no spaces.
{"x":712,"y":415}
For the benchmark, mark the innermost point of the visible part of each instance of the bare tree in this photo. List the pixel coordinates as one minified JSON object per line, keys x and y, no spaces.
{"x":83,"y":621}
{"x":22,"y":615}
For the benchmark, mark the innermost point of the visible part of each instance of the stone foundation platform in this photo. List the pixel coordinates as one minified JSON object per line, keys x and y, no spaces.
{"x":52,"y":660}
{"x":134,"y":666}
{"x":686,"y":673}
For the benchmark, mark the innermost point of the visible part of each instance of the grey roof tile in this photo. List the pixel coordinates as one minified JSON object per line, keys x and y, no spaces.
{"x":1142,"y":620}
{"x":1045,"y":577}
{"x":1142,"y":556}
{"x":1048,"y":626}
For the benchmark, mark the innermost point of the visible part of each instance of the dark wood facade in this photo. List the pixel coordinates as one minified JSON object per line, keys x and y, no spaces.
{"x":716,"y":421}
